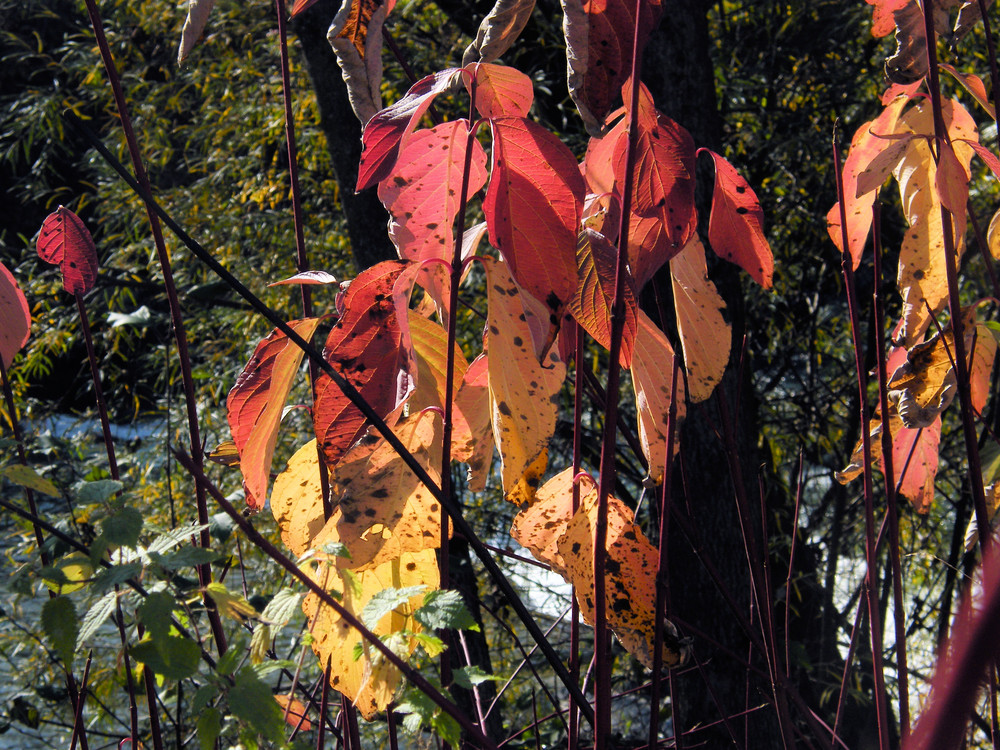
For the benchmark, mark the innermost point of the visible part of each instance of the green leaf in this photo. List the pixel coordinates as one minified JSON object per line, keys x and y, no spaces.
{"x":99,"y":612}
{"x":251,"y":700}
{"x":108,"y":578}
{"x":28,"y":477}
{"x":123,"y":527}
{"x":202,"y":697}
{"x":90,"y":493}
{"x":444,"y":609}
{"x":337,"y":549}
{"x":470,"y":676}
{"x":185,"y":557}
{"x":61,"y":627}
{"x":385,"y":601}
{"x":172,"y":538}
{"x":230,"y":604}
{"x":430,"y":643}
{"x":173,"y":657}
{"x":209,"y":728}
{"x":420,"y":710}
{"x":155,"y":613}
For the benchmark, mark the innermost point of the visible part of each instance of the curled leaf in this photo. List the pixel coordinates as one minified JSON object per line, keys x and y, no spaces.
{"x":356,"y":37}
{"x":498,"y":30}
{"x":194,"y":24}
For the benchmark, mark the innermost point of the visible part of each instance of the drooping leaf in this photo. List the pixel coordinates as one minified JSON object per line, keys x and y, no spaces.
{"x":256,"y":402}
{"x":915,"y":458}
{"x":983,"y":355}
{"x":599,"y":36}
{"x":356,"y":37}
{"x":386,"y":132}
{"x":499,"y":90}
{"x":229,"y":604}
{"x":909,"y":62}
{"x":951,"y":182}
{"x":652,"y":369}
{"x":630,"y":578}
{"x":474,"y":424}
{"x":16,"y":316}
{"x":423,"y":195}
{"x":197,"y":17}
{"x":736,"y":225}
{"x":705,"y":335}
{"x":28,"y":477}
{"x":365,"y":346}
{"x":298,"y":6}
{"x":970,"y":81}
{"x":868,"y":142}
{"x":498,"y":30}
{"x":591,"y":306}
{"x":297,"y":500}
{"x":65,"y":241}
{"x":370,"y":682}
{"x":61,"y":627}
{"x":533,"y":207}
{"x":523,"y":392}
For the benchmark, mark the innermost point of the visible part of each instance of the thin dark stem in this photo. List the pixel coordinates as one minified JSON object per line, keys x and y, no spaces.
{"x":81,"y":698}
{"x":133,"y":708}
{"x":791,"y":565}
{"x":95,"y":374}
{"x":574,"y":613}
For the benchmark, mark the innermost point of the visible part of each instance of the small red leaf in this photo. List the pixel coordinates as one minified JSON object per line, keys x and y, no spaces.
{"x":64,"y":241}
{"x":308,"y":277}
{"x":500,"y":90}
{"x":951,"y":181}
{"x":533,"y":207}
{"x":300,"y":5}
{"x":736,"y":226}
{"x":15,"y":316}
{"x":988,"y":157}
{"x":256,"y":402}
{"x":385,"y":132}
{"x":883,"y":22}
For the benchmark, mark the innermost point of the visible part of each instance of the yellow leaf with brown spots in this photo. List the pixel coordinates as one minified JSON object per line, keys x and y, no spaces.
{"x":297,"y":500}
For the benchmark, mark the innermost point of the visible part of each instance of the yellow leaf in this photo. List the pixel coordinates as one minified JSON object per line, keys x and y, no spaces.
{"x":230,"y":604}
{"x":523,"y":392}
{"x":297,"y":500}
{"x":472,"y":440}
{"x":539,"y":526}
{"x":430,"y":342}
{"x":705,"y":335}
{"x":370,"y":682}
{"x":77,"y":569}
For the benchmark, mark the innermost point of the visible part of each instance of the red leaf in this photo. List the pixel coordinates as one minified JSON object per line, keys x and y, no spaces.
{"x":300,"y":5}
{"x":15,"y":316}
{"x":736,"y":226}
{"x":533,"y":207}
{"x":500,"y":90}
{"x":883,"y":23}
{"x":356,"y":37}
{"x":366,"y":347}
{"x":385,"y":132}
{"x":64,"y":241}
{"x":599,"y":36}
{"x":591,"y":305}
{"x":256,"y":402}
{"x":423,"y":195}
{"x":988,"y":157}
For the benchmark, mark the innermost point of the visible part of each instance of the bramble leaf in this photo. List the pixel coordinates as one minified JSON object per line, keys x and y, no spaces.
{"x":61,"y":627}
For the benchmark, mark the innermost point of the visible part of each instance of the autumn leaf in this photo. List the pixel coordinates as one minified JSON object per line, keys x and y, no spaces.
{"x":705,"y":335}
{"x":533,"y":207}
{"x":882,"y":20}
{"x":592,"y":304}
{"x":630,"y":578}
{"x":523,"y":392}
{"x":366,"y":347}
{"x":65,"y":241}
{"x":652,"y":368}
{"x":736,"y":225}
{"x":599,"y":36}
{"x":194,"y":25}
{"x":14,"y":312}
{"x":498,"y":30}
{"x":430,"y":344}
{"x":499,"y":90}
{"x":386,"y":131}
{"x":229,"y":604}
{"x":308,"y":278}
{"x":970,"y":81}
{"x":256,"y":402}
{"x":299,"y":6}
{"x":472,"y":440}
{"x":356,"y":37}
{"x":297,"y":500}
{"x":295,"y":712}
{"x":369,"y":682}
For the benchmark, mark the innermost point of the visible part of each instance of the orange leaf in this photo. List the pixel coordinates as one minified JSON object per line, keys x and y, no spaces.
{"x":255,"y":404}
{"x":473,"y":436}
{"x":539,"y":526}
{"x":500,"y":90}
{"x":295,"y":712}
{"x":523,"y":392}
{"x":356,"y":37}
{"x":16,"y":316}
{"x":499,"y":30}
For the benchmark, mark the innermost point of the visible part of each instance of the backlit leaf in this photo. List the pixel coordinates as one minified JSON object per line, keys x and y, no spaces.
{"x":356,"y":37}
{"x":972,"y":83}
{"x":15,"y":315}
{"x":599,"y":35}
{"x":28,"y":477}
{"x":64,"y":240}
{"x":523,"y":392}
{"x":652,"y":368}
{"x":882,"y":21}
{"x":197,"y":17}
{"x":308,"y":277}
{"x":295,"y":712}
{"x":229,"y":604}
{"x":705,"y":335}
{"x":256,"y":402}
{"x":736,"y":225}
{"x":297,"y":500}
{"x":500,"y":90}
{"x":299,"y":6}
{"x":498,"y":30}
{"x":591,"y":306}
{"x":473,"y":425}
{"x":386,"y":131}
{"x":96,"y":616}
{"x":533,"y":207}
{"x":430,"y":343}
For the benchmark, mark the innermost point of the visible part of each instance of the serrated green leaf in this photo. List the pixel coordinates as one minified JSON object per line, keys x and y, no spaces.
{"x":386,"y":600}
{"x":60,"y":625}
{"x":470,"y":676}
{"x":172,"y":657}
{"x":209,"y":728}
{"x":251,"y":700}
{"x":202,"y":697}
{"x":155,"y":613}
{"x":445,"y":609}
{"x":186,"y":557}
{"x":107,"y":578}
{"x":229,"y":661}
{"x":337,"y":549}
{"x":419,"y":710}
{"x":99,"y":612}
{"x":28,"y":477}
{"x":431,"y":644}
{"x":272,"y":665}
{"x":172,"y":538}
{"x":90,"y":493}
{"x":123,"y":528}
